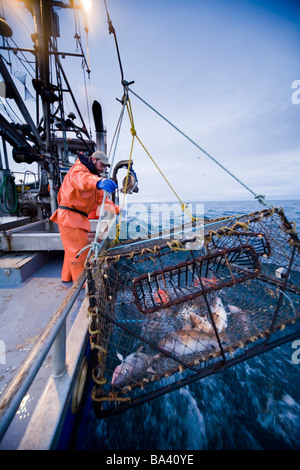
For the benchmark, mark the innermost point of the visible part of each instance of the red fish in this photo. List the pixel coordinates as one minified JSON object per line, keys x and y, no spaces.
{"x":161,"y":297}
{"x":207,"y":282}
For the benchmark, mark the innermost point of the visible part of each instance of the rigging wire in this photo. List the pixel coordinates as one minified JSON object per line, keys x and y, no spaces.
{"x":87,"y":102}
{"x":116,"y":137}
{"x":256,"y":196}
{"x":259,"y":197}
{"x":134,"y":135}
{"x":21,"y":60}
{"x":85,"y":61}
{"x":79,"y":46}
{"x":4,"y":107}
{"x":7,"y":3}
{"x":130,"y":114}
{"x":94,"y":246}
{"x":111,"y":30}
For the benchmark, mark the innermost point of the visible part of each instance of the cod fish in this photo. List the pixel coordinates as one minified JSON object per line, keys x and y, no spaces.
{"x":197,"y":322}
{"x":187,"y":341}
{"x":133,"y":368}
{"x":220,"y":315}
{"x":196,"y":338}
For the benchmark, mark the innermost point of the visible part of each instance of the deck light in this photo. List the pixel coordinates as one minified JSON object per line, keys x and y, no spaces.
{"x":87,"y":5}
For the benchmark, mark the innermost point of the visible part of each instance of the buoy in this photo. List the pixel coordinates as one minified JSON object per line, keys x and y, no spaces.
{"x":160,"y":296}
{"x":207,"y":282}
{"x":79,"y":386}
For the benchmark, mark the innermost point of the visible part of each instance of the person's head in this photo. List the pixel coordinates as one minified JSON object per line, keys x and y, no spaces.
{"x":100,"y":161}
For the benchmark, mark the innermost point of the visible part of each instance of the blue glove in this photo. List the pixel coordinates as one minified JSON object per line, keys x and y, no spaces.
{"x":107,"y":185}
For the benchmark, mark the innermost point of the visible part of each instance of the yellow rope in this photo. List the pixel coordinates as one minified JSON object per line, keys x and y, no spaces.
{"x":112,"y":397}
{"x":133,"y":132}
{"x":134,"y":135}
{"x":175,"y":245}
{"x":184,"y":207}
{"x":101,"y":381}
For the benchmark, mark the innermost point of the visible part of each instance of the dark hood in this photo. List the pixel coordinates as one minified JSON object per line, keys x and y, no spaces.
{"x":87,"y":161}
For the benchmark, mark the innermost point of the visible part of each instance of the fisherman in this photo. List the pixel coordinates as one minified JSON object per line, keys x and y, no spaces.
{"x":80,"y":191}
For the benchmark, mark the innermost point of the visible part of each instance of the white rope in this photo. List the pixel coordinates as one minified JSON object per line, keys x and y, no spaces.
{"x":95,"y":246}
{"x":117,"y":134}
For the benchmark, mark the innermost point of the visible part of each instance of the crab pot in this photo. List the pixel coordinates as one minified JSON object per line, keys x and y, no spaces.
{"x":163,"y":315}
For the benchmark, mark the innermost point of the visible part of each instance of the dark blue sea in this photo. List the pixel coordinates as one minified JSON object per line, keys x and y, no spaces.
{"x":252,"y":406}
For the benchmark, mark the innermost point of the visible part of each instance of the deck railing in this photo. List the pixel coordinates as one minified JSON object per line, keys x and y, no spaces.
{"x":53,"y":336}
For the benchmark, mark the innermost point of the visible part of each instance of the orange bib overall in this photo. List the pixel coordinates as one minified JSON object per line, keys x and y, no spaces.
{"x":78,"y":192}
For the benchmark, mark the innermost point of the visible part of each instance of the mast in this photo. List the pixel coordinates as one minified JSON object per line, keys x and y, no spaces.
{"x":41,"y":11}
{"x":39,"y":141}
{"x":38,"y":43}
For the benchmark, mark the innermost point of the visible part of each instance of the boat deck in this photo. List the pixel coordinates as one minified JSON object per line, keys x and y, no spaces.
{"x":32,"y":297}
{"x":25,"y":310}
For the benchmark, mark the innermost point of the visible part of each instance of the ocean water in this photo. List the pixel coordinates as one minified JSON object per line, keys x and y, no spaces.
{"x":252,"y":406}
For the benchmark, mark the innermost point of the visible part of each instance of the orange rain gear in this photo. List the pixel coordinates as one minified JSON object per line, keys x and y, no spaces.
{"x":79,"y":192}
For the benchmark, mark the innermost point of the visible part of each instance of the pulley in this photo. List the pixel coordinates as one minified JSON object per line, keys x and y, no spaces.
{"x":28,"y":209}
{"x":130,"y":182}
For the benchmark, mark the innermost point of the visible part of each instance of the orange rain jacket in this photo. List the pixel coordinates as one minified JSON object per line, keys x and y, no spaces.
{"x":78,"y":191}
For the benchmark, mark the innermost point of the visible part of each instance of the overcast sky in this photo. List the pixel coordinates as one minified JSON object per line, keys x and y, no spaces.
{"x":222,"y":71}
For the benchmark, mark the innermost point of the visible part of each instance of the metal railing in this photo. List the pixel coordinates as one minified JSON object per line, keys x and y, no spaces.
{"x":54,"y":336}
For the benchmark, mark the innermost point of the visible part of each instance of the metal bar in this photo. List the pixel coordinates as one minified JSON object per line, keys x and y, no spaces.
{"x":208,"y":267}
{"x":5,"y":154}
{"x":72,"y":54}
{"x":31,"y":366}
{"x":209,"y":310}
{"x":280,"y":299}
{"x":193,"y":272}
{"x":150,"y":290}
{"x":11,"y":135}
{"x":277,"y":283}
{"x":16,"y":96}
{"x":59,"y":366}
{"x":157,"y":286}
{"x":199,"y":263}
{"x":220,"y":261}
{"x":72,"y":95}
{"x":17,"y":49}
{"x":7,"y":233}
{"x":143,"y":294}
